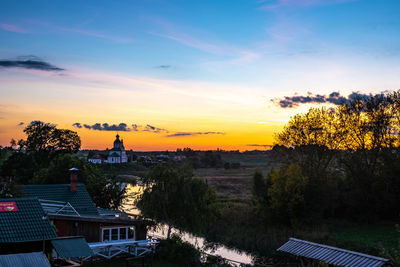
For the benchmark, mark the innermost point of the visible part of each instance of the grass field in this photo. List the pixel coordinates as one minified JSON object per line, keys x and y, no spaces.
{"x":233,"y":184}
{"x":368,"y":237}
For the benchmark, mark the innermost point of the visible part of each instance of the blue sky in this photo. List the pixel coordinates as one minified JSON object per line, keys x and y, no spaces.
{"x":199,"y":58}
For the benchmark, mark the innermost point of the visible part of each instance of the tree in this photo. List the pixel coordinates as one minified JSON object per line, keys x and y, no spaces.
{"x":105,"y":191}
{"x":45,"y":141}
{"x":174,"y":197}
{"x":287,"y":193}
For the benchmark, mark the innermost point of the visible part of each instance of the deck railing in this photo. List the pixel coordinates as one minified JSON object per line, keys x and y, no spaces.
{"x":110,"y":249}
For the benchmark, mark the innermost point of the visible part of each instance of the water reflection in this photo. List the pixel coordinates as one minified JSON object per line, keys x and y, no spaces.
{"x":134,"y":191}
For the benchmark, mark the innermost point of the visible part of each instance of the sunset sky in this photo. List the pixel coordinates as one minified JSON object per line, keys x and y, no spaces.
{"x":200,"y":74}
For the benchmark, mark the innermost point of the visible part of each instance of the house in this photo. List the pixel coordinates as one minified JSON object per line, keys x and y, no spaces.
{"x":117,"y":154}
{"x":24,"y":226}
{"x":32,"y":259}
{"x":26,"y":235}
{"x":96,"y":159}
{"x":72,"y":211}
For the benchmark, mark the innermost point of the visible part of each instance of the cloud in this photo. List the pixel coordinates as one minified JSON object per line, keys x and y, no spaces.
{"x":123,"y":127}
{"x":12,"y":28}
{"x":77,"y":125}
{"x":21,"y":123}
{"x":163,"y":66}
{"x":149,"y":128}
{"x":135,"y":127}
{"x":116,"y":39}
{"x":333,"y":98}
{"x":182,"y":134}
{"x":272,"y":5}
{"x":29,"y":62}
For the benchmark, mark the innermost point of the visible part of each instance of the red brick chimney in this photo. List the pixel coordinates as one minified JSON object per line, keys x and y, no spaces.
{"x":73,"y":185}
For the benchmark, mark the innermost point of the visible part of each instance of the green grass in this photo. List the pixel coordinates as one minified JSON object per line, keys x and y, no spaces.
{"x":367,"y":238}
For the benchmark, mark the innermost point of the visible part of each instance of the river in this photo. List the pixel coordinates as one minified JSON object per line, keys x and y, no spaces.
{"x":233,"y":255}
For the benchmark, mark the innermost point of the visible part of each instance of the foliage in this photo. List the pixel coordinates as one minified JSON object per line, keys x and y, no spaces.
{"x":175,"y":250}
{"x":174,"y":197}
{"x":45,"y":140}
{"x":287,"y":193}
{"x":350,"y":155}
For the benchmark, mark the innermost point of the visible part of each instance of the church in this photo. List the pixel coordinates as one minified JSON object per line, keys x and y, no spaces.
{"x":117,"y":154}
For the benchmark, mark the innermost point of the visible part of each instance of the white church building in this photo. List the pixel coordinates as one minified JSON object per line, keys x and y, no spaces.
{"x":117,"y":154}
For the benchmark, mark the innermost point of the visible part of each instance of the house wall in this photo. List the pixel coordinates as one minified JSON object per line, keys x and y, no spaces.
{"x":92,"y":230}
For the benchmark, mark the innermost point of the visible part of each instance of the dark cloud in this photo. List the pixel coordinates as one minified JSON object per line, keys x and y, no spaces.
{"x":123,"y":127}
{"x":149,"y":128}
{"x":333,"y":98}
{"x":29,"y":62}
{"x":163,"y":66}
{"x":135,"y":127}
{"x":77,"y":125}
{"x":258,"y":145}
{"x":181,"y":134}
{"x":21,"y":123}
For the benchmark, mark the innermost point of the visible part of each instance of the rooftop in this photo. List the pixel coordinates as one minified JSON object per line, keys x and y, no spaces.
{"x":21,"y":221}
{"x":79,"y":200}
{"x":331,"y":255}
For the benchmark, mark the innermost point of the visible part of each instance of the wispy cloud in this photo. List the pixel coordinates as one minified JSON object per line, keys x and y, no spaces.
{"x":12,"y":28}
{"x":271,"y":5}
{"x":183,"y":134}
{"x":334,"y":98}
{"x":77,"y":125}
{"x":163,"y":66}
{"x":149,"y":128}
{"x":82,"y":31}
{"x":114,"y":38}
{"x":29,"y":62}
{"x":200,"y":40}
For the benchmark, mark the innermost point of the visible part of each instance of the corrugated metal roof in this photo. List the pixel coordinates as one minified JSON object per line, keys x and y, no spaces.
{"x":26,"y":223}
{"x":330,"y":255}
{"x":72,"y":247}
{"x":33,"y":259}
{"x":80,"y":200}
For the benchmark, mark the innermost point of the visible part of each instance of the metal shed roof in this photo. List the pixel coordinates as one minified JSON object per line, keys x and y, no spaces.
{"x":72,"y":247}
{"x":331,"y":255}
{"x":33,"y":259}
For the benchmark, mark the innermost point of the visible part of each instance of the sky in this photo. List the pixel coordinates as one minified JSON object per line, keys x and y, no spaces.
{"x":200,"y":74}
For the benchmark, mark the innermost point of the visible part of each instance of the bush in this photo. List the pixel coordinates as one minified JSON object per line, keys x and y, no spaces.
{"x":175,"y":250}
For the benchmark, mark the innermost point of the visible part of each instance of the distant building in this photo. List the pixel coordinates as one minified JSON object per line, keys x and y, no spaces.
{"x":117,"y":154}
{"x":96,"y":159}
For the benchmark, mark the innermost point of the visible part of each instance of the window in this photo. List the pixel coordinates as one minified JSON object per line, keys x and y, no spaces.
{"x":106,"y":234}
{"x":131,"y":233}
{"x":122,"y":233}
{"x":114,"y":234}
{"x":118,"y":233}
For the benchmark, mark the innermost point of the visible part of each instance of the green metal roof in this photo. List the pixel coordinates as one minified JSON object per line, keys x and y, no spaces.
{"x":24,"y":260}
{"x":80,"y":200}
{"x":72,"y":247}
{"x":25,"y":224}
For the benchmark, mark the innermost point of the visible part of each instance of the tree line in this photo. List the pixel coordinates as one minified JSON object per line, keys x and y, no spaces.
{"x":341,"y":162}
